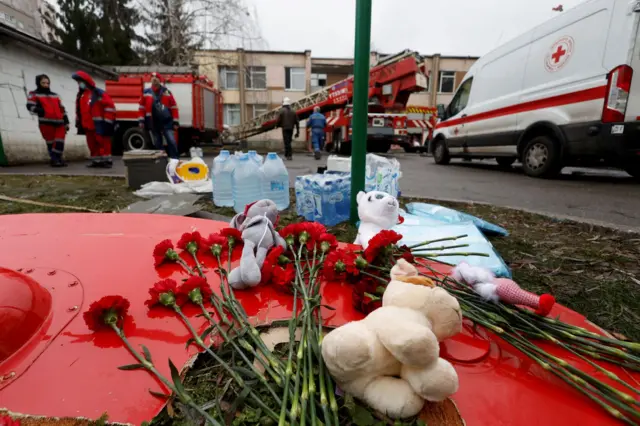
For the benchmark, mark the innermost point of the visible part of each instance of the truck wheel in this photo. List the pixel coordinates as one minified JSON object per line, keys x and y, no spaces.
{"x":135,"y":139}
{"x":505,"y":162}
{"x":441,"y":153}
{"x":541,"y":158}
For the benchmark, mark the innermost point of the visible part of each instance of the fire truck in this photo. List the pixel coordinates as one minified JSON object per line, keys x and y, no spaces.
{"x":199,"y":104}
{"x":420,"y":124}
{"x":391,"y":82}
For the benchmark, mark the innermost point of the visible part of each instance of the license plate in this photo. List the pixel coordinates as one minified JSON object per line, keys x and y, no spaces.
{"x":617,"y":129}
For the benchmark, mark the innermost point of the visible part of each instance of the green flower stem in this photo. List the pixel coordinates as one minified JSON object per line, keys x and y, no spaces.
{"x":426,"y":243}
{"x":198,"y":265}
{"x":293,"y":324}
{"x":304,"y":397}
{"x":333,"y":404}
{"x":581,"y":386}
{"x":184,"y":397}
{"x":439,"y":248}
{"x":235,"y":346}
{"x":382,"y":280}
{"x":240,"y":316}
{"x":293,"y":413}
{"x":186,"y":267}
{"x":606,"y":372}
{"x":432,"y":255}
{"x":228,"y":369}
{"x":200,"y":343}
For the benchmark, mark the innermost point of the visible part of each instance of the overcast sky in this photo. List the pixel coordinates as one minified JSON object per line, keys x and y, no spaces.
{"x":453,"y":27}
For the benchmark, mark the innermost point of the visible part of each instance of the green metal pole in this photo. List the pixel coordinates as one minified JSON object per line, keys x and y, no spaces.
{"x":360,"y":102}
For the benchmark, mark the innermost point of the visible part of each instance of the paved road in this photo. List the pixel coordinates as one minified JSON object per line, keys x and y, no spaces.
{"x":599,"y":196}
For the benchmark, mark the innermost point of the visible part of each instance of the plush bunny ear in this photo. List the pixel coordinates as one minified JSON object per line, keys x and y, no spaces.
{"x":237,"y":221}
{"x":403,"y":269}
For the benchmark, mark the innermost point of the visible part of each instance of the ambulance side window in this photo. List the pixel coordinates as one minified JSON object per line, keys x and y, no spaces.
{"x":461,"y":98}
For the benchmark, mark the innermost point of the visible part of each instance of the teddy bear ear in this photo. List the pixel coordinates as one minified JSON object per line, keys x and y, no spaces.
{"x":403,"y":269}
{"x":360,"y":195}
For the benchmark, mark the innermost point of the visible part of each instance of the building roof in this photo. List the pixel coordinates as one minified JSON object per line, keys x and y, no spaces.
{"x":43,"y":47}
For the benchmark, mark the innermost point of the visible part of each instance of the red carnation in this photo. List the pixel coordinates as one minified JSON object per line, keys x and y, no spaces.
{"x":232,"y":236}
{"x":405,"y":253}
{"x":283,"y":277}
{"x":216,"y":244}
{"x":380,"y":244}
{"x":163,"y":293}
{"x":327,"y":242}
{"x":370,"y":303}
{"x":163,"y":252}
{"x":195,"y":289}
{"x":8,"y":421}
{"x":190,"y":241}
{"x":338,"y":264}
{"x":105,"y":312}
{"x":290,"y":232}
{"x":270,"y":262}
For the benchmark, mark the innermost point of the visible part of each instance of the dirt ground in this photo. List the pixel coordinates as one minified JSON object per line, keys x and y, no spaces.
{"x":593,"y":270}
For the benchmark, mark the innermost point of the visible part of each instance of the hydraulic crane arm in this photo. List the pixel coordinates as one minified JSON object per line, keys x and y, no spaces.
{"x":391,"y":82}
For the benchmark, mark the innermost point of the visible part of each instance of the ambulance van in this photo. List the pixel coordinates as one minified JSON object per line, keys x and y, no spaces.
{"x":562,"y":94}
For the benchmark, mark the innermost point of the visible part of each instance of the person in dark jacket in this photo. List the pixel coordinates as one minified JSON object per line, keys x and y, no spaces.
{"x":158,"y":113}
{"x":288,"y":119}
{"x":52,"y":118}
{"x":317,"y":122}
{"x":95,"y":118}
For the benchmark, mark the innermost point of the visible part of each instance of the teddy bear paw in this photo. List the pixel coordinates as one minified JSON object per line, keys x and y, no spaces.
{"x":435,"y":382}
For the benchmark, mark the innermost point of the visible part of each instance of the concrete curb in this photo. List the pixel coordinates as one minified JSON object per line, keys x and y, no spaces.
{"x":559,"y":217}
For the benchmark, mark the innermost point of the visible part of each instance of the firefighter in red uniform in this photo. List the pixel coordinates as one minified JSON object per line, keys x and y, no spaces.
{"x":95,"y":118}
{"x":52,"y":118}
{"x":158,"y":113}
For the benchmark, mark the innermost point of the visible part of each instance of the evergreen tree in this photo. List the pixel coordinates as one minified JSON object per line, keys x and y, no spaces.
{"x":77,"y":30}
{"x":116,"y":25}
{"x":170,"y":39}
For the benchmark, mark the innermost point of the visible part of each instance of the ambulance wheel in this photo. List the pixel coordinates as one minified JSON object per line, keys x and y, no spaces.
{"x":541,"y":158}
{"x":135,"y":139}
{"x":441,"y":153}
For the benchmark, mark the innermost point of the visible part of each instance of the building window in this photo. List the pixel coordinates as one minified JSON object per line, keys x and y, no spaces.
{"x":231,"y":114}
{"x":447,"y":81}
{"x":318,"y":81}
{"x":229,"y":78}
{"x":259,"y":109}
{"x":295,"y":79}
{"x":256,"y":78}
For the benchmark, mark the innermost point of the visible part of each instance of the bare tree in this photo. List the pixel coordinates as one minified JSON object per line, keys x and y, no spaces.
{"x":176,"y":29}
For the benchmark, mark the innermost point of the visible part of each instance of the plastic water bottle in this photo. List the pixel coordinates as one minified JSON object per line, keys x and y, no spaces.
{"x":255,"y":157}
{"x":221,"y":179}
{"x":275,"y":181}
{"x":246,"y":183}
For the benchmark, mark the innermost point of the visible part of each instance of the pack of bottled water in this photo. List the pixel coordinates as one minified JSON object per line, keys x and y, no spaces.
{"x":242,"y":178}
{"x":324,"y":198}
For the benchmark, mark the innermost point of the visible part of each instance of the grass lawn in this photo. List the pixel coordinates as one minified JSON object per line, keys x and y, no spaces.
{"x":593,"y":270}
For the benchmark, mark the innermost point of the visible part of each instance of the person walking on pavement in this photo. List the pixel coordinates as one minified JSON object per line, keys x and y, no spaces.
{"x":95,"y":118}
{"x":52,"y":118}
{"x":288,"y":119}
{"x":317,"y":122}
{"x":158,"y":113}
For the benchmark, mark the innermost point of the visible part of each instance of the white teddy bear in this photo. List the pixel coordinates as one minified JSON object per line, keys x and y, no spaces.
{"x":377,"y":211}
{"x":391,"y":359}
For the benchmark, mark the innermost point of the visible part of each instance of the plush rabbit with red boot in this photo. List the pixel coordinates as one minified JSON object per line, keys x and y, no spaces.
{"x":493,"y":289}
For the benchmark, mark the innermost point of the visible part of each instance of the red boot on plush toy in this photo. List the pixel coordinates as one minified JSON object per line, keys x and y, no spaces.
{"x":508,"y":291}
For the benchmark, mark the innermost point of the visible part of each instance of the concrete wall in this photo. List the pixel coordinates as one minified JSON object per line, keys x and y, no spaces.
{"x":19,"y":134}
{"x":25,"y":14}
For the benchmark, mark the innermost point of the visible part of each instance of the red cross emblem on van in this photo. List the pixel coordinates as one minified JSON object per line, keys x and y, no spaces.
{"x":559,"y":54}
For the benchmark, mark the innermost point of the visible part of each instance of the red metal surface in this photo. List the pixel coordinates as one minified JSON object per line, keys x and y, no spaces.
{"x":111,"y":254}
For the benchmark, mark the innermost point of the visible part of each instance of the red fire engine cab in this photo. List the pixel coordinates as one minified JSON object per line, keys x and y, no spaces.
{"x":199,"y":104}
